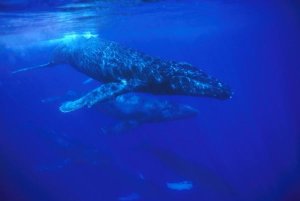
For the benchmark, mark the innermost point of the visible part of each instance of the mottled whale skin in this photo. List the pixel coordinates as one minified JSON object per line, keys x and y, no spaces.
{"x":122,"y":70}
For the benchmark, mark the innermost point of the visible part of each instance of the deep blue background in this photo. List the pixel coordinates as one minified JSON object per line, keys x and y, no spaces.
{"x":246,"y":148}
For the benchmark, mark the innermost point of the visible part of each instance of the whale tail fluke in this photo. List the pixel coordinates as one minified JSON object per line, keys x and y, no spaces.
{"x":49,"y":64}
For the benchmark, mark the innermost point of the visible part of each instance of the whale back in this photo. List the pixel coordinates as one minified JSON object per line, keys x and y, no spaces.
{"x":106,"y":61}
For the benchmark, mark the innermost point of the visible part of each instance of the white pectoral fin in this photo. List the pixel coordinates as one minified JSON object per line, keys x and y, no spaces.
{"x":72,"y":105}
{"x":100,"y":94}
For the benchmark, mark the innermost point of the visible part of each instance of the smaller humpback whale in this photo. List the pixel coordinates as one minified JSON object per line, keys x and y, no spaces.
{"x":133,"y":110}
{"x":122,"y":70}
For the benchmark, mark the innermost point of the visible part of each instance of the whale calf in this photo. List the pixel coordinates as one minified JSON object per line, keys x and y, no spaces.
{"x":134,"y":110}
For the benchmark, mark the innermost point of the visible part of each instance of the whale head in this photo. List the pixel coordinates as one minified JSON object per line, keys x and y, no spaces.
{"x":185,"y":79}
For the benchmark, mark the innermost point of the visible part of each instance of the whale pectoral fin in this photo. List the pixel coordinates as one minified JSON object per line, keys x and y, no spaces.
{"x":100,"y":94}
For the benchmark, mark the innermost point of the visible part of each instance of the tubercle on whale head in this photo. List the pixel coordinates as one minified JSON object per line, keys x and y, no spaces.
{"x":215,"y":89}
{"x":219,"y":91}
{"x":226,"y":94}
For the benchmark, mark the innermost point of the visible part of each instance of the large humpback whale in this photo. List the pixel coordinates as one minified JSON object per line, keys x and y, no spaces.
{"x":122,"y":70}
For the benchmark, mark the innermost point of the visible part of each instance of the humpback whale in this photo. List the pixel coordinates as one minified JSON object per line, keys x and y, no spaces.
{"x":122,"y":70}
{"x":133,"y":110}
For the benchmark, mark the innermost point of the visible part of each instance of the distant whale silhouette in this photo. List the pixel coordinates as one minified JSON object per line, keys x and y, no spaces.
{"x":122,"y":70}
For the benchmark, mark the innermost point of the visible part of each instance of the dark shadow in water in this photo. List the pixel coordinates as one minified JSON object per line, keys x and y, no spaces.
{"x":73,"y":151}
{"x":200,"y":176}
{"x":15,"y":184}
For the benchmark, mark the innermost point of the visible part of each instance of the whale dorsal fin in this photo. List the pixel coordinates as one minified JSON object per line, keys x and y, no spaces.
{"x":101,"y":94}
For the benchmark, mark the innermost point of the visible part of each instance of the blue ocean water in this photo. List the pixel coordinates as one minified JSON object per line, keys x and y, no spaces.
{"x":244,"y":149}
